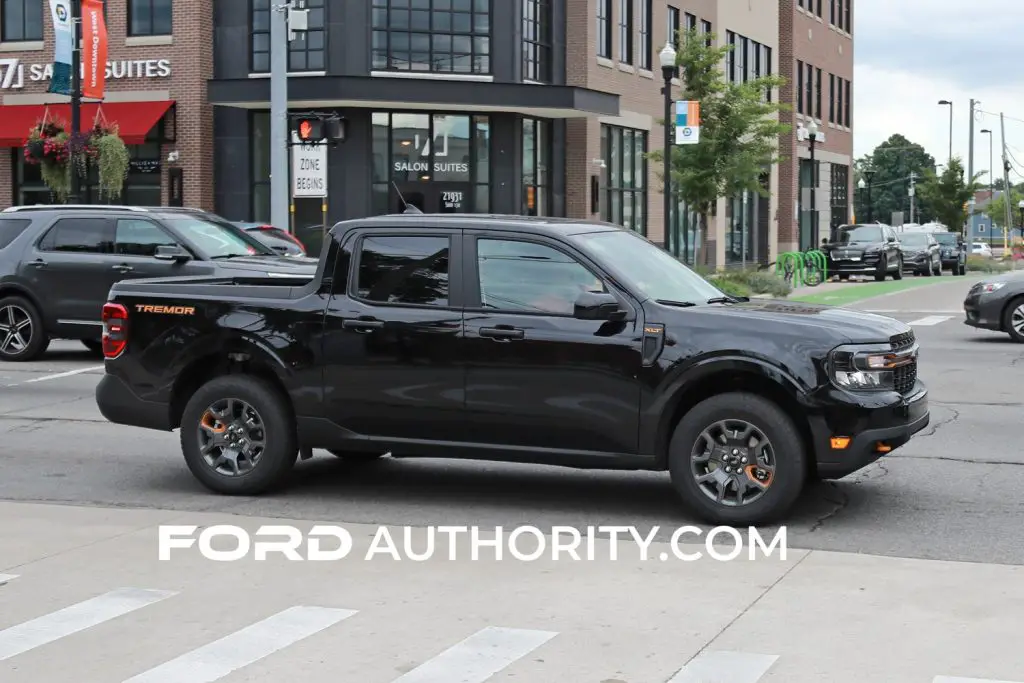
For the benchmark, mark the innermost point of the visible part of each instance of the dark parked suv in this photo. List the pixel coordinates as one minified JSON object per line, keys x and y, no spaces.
{"x":57,"y":264}
{"x":869,"y":249}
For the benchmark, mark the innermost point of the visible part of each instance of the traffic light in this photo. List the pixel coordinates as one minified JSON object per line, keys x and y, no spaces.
{"x":316,"y":128}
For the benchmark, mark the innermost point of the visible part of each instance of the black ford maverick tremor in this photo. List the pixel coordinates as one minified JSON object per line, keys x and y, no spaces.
{"x":529,"y":340}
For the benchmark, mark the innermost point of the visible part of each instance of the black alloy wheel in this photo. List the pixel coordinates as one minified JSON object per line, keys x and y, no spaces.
{"x":238,"y":435}
{"x":22,"y":337}
{"x":737,"y":459}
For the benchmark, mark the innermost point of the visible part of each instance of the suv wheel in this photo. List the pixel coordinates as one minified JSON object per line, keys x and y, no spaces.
{"x":238,"y":435}
{"x":737,"y":459}
{"x":898,"y":275}
{"x":22,"y":337}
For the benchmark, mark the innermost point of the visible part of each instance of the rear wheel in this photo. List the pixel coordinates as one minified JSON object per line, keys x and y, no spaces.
{"x":737,"y":459}
{"x":238,"y":436}
{"x":22,"y":337}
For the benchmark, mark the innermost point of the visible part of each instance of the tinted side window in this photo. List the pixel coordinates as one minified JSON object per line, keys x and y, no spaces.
{"x":137,"y":237}
{"x":83,"y":235}
{"x":10,"y":228}
{"x":404,"y":270}
{"x":531,"y":278}
{"x":336,"y":267}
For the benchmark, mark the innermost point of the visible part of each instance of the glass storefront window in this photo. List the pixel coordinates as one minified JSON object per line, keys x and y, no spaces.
{"x":623,"y":151}
{"x":439,"y":160}
{"x":536,"y":161}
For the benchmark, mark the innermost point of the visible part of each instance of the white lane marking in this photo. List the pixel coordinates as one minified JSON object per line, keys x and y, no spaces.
{"x":4,"y":578}
{"x":56,"y":625}
{"x":62,"y":375}
{"x":903,"y":310}
{"x":955,"y":679}
{"x":725,"y":667}
{"x":478,"y":657}
{"x":931,"y":320}
{"x":216,"y":660}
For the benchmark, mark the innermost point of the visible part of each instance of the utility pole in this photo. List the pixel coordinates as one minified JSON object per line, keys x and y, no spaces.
{"x":912,"y":193}
{"x":74,"y":197}
{"x":970,"y":172}
{"x":1006,"y":189}
{"x":285,"y":20}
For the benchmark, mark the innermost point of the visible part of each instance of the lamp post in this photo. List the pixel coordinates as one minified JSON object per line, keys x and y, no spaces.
{"x":667,"y":57}
{"x":812,"y":133}
{"x":75,"y":195}
{"x":949,"y":104}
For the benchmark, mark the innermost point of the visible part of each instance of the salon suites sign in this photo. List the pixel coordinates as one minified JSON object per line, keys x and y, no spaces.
{"x":14,"y":73}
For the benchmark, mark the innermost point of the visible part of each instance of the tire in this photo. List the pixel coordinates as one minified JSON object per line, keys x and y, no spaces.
{"x":898,"y":275}
{"x":281,"y":444}
{"x":38,"y":340}
{"x":355,"y":456}
{"x":789,"y":453}
{"x":937,"y":268}
{"x":1016,"y":304}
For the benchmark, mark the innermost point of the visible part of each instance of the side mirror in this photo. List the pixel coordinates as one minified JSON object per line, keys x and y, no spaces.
{"x":597,"y":306}
{"x":172,"y":253}
{"x":892,"y":240}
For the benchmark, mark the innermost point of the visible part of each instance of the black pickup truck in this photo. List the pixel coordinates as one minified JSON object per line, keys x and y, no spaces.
{"x":530,"y":340}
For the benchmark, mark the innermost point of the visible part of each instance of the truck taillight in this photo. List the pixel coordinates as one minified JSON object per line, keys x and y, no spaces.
{"x":115,"y":330}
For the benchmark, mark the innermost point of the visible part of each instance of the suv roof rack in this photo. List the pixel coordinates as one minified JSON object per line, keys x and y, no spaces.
{"x":63,"y":207}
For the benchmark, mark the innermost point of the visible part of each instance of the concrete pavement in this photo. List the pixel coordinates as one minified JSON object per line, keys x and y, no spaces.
{"x":811,"y":617}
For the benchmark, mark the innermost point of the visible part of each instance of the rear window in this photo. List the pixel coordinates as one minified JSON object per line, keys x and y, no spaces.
{"x":10,"y":228}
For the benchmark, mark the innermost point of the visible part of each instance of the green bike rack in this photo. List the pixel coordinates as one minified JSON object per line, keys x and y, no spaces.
{"x":818,"y":258}
{"x":794,"y":259}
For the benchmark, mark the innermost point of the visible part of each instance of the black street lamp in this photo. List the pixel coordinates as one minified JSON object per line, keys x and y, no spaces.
{"x":812,"y":133}
{"x":667,"y":56}
{"x":74,"y":196}
{"x":865,"y":183}
{"x":947,"y":103}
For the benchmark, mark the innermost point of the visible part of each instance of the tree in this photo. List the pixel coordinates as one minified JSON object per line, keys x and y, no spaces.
{"x":739,"y":129}
{"x":996,"y":209}
{"x":892,"y":162}
{"x":949,"y":193}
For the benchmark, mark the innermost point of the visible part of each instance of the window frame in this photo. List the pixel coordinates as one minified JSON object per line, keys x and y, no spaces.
{"x":799,"y":87}
{"x":646,"y":34}
{"x":543,"y":129}
{"x":604,"y":29}
{"x":294,"y":47}
{"x":817,"y":93}
{"x":25,"y":37}
{"x":615,"y":186}
{"x":456,"y":281}
{"x":848,"y":106}
{"x":471,"y":257}
{"x":55,"y":225}
{"x":139,"y":219}
{"x":626,"y":44}
{"x":152,"y":23}
{"x":538,"y":50}
{"x":433,"y":33}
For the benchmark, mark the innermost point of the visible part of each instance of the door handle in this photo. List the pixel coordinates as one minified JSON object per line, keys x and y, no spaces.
{"x":362,"y":325}
{"x":39,"y":263}
{"x":501,"y":333}
{"x":123,"y":267}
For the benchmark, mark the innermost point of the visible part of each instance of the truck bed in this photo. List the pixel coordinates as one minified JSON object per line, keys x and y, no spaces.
{"x":234,"y":289}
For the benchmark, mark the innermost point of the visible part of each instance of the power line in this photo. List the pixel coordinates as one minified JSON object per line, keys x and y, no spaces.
{"x":1008,"y":118}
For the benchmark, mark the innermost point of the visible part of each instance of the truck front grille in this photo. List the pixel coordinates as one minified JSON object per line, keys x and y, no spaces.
{"x":904,"y":377}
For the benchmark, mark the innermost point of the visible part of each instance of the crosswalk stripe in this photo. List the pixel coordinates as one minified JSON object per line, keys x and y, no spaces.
{"x":56,"y":625}
{"x":930,"y":320}
{"x":478,"y":657}
{"x":4,"y":578}
{"x":956,"y":679}
{"x":242,"y":648}
{"x":725,"y":667}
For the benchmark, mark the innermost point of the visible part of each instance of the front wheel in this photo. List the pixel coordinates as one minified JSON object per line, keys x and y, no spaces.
{"x":238,"y":436}
{"x":1013,"y":320}
{"x":898,"y":275}
{"x":737,"y":459}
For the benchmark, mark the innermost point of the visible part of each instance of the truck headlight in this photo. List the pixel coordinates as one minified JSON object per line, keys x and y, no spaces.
{"x":865,"y":368}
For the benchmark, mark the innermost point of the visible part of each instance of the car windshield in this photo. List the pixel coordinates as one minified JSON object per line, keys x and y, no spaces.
{"x":914,"y":239}
{"x":648,"y":268}
{"x":945,"y":238}
{"x":859,"y":233}
{"x":216,"y":239}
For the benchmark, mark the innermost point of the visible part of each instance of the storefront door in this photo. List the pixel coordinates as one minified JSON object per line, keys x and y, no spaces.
{"x":436,"y":197}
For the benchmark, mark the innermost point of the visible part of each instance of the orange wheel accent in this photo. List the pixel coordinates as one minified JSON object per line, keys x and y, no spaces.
{"x":210,"y":422}
{"x":749,"y":469}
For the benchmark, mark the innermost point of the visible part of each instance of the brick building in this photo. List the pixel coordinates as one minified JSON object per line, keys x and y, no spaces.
{"x":816,"y":45}
{"x":158,"y":65}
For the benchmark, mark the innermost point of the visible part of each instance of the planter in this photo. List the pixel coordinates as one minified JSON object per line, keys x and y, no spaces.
{"x":59,"y":155}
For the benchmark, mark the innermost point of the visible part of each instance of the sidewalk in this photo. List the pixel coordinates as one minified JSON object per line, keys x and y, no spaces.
{"x":811,"y":617}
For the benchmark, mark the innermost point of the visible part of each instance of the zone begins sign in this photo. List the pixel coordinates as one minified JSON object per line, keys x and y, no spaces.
{"x":309,"y":168}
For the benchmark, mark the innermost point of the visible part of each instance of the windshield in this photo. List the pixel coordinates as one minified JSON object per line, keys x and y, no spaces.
{"x":648,"y":268}
{"x":914,"y":239}
{"x":859,"y":233}
{"x":217,"y":240}
{"x":945,"y":238}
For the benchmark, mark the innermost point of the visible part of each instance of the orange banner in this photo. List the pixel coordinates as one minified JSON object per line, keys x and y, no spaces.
{"x":94,"y":49}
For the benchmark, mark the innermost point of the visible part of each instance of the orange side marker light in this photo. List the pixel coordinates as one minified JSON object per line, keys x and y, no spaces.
{"x":840,"y":442}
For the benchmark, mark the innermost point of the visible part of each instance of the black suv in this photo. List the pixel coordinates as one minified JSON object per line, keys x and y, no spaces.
{"x":870,"y":249}
{"x":57,"y":264}
{"x":539,"y":340}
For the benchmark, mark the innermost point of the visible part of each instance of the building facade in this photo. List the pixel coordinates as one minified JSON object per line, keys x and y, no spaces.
{"x":816,"y":45}
{"x":159,"y":58}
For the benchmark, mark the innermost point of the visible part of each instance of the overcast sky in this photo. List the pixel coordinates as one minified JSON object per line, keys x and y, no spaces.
{"x":909,"y":54}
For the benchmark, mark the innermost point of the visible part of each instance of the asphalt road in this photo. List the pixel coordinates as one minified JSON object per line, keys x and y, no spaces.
{"x":952,"y":493}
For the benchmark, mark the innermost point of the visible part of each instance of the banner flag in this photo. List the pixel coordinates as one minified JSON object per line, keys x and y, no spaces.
{"x":64,"y":43}
{"x":94,"y":49}
{"x":687,"y":122}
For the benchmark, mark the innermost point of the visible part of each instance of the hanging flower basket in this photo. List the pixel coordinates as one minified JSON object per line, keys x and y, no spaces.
{"x":58,"y":154}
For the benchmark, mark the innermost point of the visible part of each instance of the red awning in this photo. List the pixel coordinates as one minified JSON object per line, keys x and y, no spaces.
{"x":134,"y":119}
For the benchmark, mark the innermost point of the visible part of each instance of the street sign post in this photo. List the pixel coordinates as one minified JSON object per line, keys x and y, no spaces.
{"x":687,"y":122}
{"x":309,"y":168}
